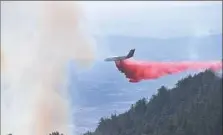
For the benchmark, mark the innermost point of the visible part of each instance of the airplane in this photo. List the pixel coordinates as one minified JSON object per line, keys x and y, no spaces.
{"x":118,"y":58}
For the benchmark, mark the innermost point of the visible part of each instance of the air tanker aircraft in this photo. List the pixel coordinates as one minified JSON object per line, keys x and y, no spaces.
{"x":136,"y":71}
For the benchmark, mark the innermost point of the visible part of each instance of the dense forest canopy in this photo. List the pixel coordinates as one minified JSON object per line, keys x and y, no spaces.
{"x":192,"y":107}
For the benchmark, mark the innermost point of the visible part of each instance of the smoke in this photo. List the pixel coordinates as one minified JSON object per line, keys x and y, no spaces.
{"x":34,"y":94}
{"x":2,"y":60}
{"x":136,"y":71}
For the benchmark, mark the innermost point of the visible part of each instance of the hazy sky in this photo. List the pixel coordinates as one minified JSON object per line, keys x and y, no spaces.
{"x":134,"y":18}
{"x":154,"y":19}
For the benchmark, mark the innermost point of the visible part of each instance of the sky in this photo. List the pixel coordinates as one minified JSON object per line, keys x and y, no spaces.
{"x":137,"y":18}
{"x":112,"y":18}
{"x":154,"y":19}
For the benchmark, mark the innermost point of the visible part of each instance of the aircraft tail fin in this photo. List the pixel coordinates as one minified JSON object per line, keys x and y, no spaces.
{"x":131,"y":53}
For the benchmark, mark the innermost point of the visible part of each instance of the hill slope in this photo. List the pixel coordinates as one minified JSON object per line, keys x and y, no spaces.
{"x":193,"y":107}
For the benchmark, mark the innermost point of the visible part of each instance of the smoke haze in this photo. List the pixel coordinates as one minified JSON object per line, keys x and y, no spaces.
{"x":34,"y":95}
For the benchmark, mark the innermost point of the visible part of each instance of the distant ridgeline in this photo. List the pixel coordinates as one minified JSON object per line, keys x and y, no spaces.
{"x":193,"y":107}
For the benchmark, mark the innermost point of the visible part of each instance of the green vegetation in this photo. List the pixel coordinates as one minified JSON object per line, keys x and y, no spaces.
{"x":193,"y":107}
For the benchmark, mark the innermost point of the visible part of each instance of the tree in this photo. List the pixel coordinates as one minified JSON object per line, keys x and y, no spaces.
{"x":193,"y":107}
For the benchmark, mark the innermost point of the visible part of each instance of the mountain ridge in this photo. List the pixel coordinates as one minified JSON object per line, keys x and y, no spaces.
{"x":193,"y":107}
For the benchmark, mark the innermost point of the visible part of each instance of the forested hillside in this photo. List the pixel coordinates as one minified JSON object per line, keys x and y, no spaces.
{"x":193,"y":107}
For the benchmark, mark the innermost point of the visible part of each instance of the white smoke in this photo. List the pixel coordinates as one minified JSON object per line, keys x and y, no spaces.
{"x":38,"y":39}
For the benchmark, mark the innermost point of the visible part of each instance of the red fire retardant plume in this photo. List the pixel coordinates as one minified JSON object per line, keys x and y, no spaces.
{"x":136,"y":71}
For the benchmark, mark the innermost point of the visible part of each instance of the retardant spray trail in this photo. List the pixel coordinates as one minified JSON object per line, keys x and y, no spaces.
{"x":136,"y":71}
